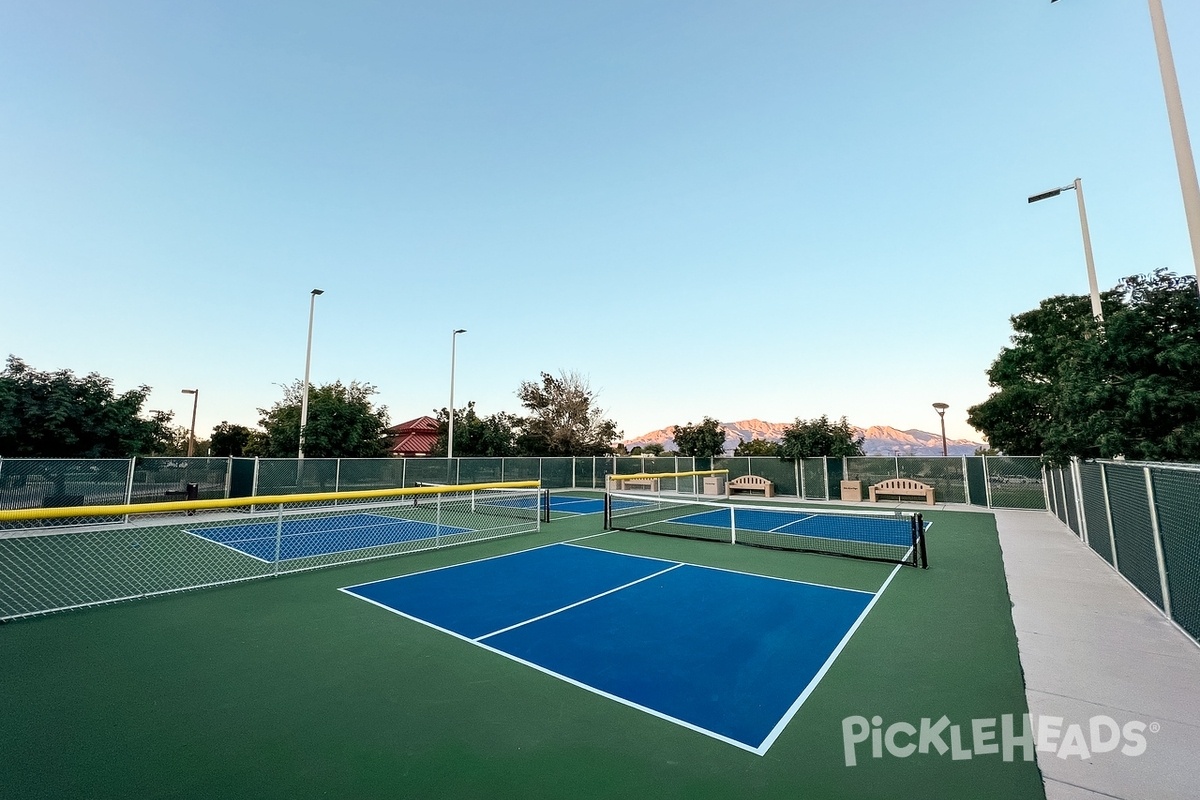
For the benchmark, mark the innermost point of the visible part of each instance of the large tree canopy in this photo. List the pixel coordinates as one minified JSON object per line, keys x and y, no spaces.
{"x":564,"y":419}
{"x":820,"y":437}
{"x":342,"y":423}
{"x":494,"y":435}
{"x":57,"y":415}
{"x":1129,"y":386}
{"x":702,"y":441}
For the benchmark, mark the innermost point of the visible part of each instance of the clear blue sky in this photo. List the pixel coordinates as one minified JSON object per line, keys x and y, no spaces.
{"x":760,"y":209}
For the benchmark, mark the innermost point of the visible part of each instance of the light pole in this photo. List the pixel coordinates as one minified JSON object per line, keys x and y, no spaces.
{"x":1184,"y":162}
{"x":1087,"y":241}
{"x":195,"y":393}
{"x":450,"y":432}
{"x":941,"y":410}
{"x":312,"y":305}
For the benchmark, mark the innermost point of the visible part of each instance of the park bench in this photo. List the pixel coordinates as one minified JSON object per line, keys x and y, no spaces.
{"x":902,"y":487}
{"x":750,"y":483}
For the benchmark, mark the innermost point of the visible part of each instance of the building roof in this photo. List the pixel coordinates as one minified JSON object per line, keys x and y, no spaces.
{"x":418,"y":425}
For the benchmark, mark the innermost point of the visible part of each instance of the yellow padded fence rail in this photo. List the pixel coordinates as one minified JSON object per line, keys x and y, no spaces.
{"x":15,"y":515}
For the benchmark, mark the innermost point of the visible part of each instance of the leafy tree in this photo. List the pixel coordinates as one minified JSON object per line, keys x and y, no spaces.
{"x":230,"y":440}
{"x":1069,"y":386}
{"x":703,"y":440}
{"x":757,"y":447}
{"x":57,"y":415}
{"x":653,"y":449}
{"x":342,"y":423}
{"x":177,"y":444}
{"x":494,"y":435}
{"x":563,"y":418}
{"x":820,"y":437}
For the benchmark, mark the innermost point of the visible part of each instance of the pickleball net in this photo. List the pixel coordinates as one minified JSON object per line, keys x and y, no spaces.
{"x":55,"y":559}
{"x":896,"y":537}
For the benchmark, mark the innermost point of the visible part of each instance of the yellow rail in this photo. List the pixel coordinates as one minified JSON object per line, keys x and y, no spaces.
{"x":240,"y":502}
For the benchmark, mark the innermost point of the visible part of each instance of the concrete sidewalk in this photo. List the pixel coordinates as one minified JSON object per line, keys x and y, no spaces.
{"x":1091,"y":645}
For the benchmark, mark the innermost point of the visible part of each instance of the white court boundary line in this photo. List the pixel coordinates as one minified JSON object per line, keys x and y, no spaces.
{"x":759,"y":750}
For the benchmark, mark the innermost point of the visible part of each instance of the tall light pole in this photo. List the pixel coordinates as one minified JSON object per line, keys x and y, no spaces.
{"x":195,"y":393}
{"x":450,"y":432}
{"x":312,"y":305}
{"x":1184,"y":161}
{"x":941,"y":410}
{"x":1087,"y":241}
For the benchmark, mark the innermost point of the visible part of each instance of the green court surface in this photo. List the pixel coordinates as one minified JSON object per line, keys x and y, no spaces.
{"x":288,"y":688}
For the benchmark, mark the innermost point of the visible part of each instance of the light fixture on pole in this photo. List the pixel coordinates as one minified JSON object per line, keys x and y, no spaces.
{"x":450,"y":431}
{"x":1184,"y":162}
{"x":312,"y":305}
{"x":1087,"y":241}
{"x":195,"y":393}
{"x":941,"y":410}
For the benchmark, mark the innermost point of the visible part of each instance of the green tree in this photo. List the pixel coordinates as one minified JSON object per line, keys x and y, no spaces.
{"x":564,"y":419}
{"x":702,"y":441}
{"x":653,"y":449}
{"x":342,"y":423}
{"x":757,"y":447}
{"x":494,"y":435}
{"x":230,"y":440}
{"x":58,"y":415}
{"x":1069,"y":386}
{"x":820,"y":437}
{"x":177,"y":444}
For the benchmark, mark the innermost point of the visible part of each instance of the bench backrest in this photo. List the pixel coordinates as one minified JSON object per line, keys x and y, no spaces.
{"x":901,"y":483}
{"x":749,"y":480}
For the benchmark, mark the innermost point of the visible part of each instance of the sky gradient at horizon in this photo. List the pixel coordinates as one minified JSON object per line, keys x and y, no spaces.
{"x":773,"y":210}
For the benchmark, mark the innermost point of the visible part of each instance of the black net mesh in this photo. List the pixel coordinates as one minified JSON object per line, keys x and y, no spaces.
{"x":1132,"y":529}
{"x":1175,"y":495}
{"x":1094,"y":514}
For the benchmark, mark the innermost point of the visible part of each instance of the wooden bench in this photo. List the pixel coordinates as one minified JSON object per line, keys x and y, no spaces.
{"x":750,"y":483}
{"x":902,"y":487}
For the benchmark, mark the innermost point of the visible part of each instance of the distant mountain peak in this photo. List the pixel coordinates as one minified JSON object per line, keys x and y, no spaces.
{"x":878,"y":439}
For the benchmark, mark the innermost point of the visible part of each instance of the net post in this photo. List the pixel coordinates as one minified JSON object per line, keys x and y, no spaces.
{"x":607,"y":510}
{"x":920,"y":529}
{"x":732,"y":525}
{"x":545,"y":497}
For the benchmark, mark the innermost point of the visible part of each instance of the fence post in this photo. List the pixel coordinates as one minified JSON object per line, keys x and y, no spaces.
{"x":129,"y":482}
{"x":825,"y":465}
{"x":1077,"y":481}
{"x":228,"y":475}
{"x":278,"y":536}
{"x":1048,"y":476}
{"x":254,"y":482}
{"x":987,"y":481}
{"x":337,"y":476}
{"x":799,"y":478}
{"x":1158,"y":546}
{"x":966,"y":482}
{"x":1112,"y":537}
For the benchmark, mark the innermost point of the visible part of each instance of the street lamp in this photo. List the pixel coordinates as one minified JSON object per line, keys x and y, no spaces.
{"x":941,"y":410}
{"x":450,"y":432}
{"x":195,"y":393}
{"x":1184,"y":163}
{"x":312,"y":305}
{"x":1087,"y":240}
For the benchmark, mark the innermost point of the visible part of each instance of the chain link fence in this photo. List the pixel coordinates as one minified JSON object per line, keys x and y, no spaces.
{"x":1144,"y":521}
{"x":992,"y":481}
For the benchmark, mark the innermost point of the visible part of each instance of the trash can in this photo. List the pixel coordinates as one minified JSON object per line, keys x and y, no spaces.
{"x":852,"y":491}
{"x":714,"y":484}
{"x":193,"y":491}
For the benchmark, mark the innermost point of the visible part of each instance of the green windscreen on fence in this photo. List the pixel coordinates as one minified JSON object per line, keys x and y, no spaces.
{"x":1132,"y":529}
{"x":1175,"y":500}
{"x":1092,"y":487}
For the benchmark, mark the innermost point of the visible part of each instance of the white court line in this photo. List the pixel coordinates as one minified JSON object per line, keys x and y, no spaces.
{"x":808,"y":690}
{"x":579,"y":603}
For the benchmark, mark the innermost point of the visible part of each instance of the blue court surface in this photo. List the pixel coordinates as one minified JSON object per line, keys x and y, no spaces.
{"x":301,"y":538}
{"x":585,"y":505}
{"x":727,"y":654}
{"x":877,"y":530}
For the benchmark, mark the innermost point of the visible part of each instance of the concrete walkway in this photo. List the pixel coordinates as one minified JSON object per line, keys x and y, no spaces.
{"x":1092,"y":646}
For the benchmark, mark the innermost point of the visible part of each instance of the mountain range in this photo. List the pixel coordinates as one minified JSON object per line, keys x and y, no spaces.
{"x":879,"y":439}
